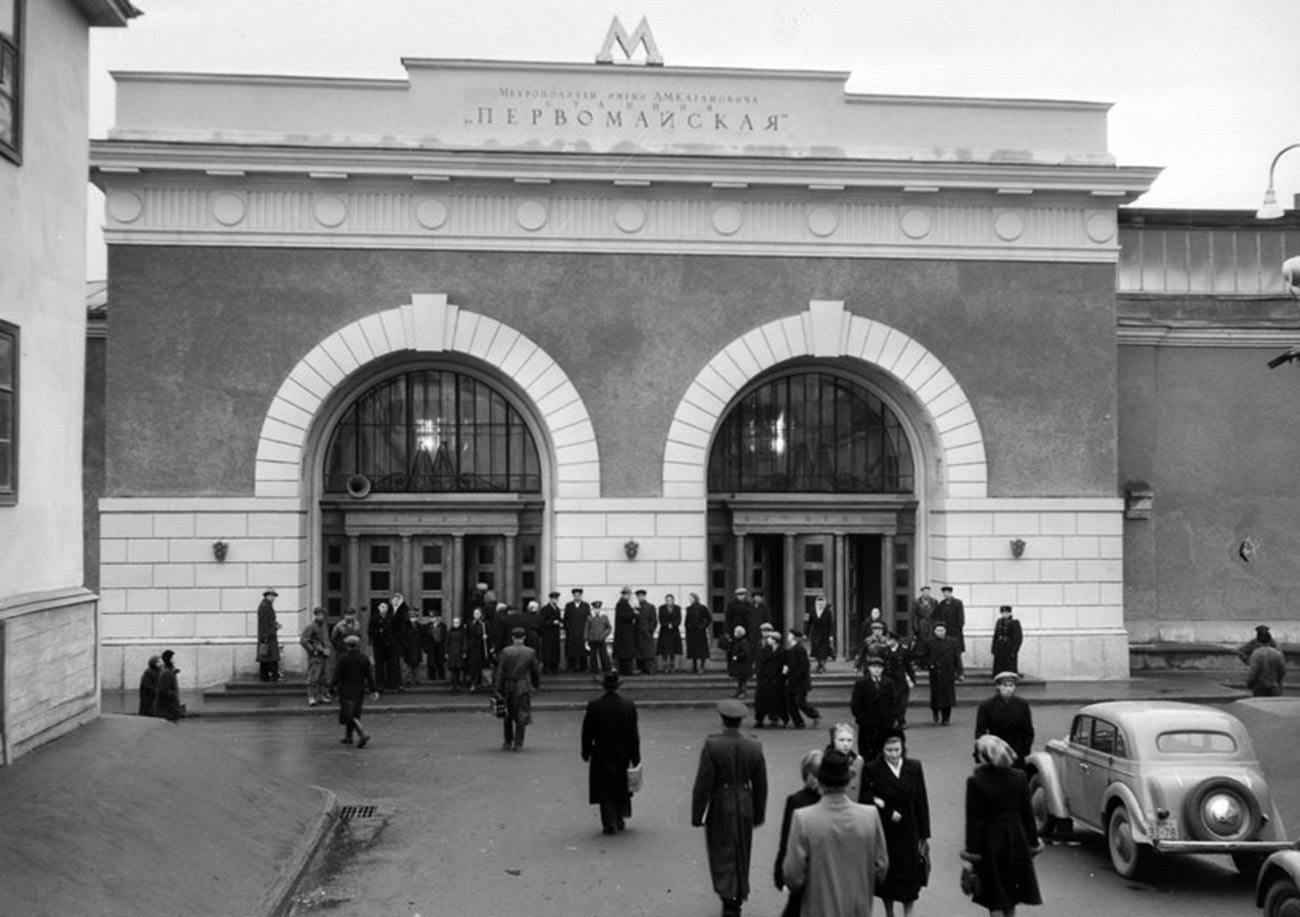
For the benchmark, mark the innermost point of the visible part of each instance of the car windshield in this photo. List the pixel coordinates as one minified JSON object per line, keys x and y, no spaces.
{"x":1195,"y":743}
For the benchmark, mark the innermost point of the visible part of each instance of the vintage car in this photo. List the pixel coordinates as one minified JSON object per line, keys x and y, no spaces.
{"x":1158,"y":777}
{"x":1277,"y":890}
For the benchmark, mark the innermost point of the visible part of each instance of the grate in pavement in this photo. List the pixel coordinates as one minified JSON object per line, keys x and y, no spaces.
{"x":347,"y":813}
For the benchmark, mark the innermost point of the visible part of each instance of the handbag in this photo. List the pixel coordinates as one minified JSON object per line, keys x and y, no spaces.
{"x":970,"y":881}
{"x":498,"y":705}
{"x":635,"y":778}
{"x":925,"y":867}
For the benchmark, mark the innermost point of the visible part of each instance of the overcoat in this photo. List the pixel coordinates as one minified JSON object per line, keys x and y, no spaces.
{"x":610,"y":743}
{"x":769,"y":697}
{"x":699,"y":620}
{"x":354,"y":678}
{"x":821,"y":634}
{"x":740,"y":661}
{"x":670,"y":630}
{"x":167,"y":703}
{"x":736,"y":614}
{"x":552,"y":618}
{"x":1008,"y":635}
{"x":999,"y":834}
{"x":730,"y":800}
{"x":148,"y":690}
{"x":798,"y":676}
{"x":952,"y":612}
{"x":906,"y":795}
{"x":647,"y":619}
{"x":625,"y":630}
{"x":455,"y":645}
{"x":941,"y":661}
{"x":598,"y":628}
{"x":477,"y":655}
{"x":576,"y":615}
{"x":1009,"y":719}
{"x":872,"y":703}
{"x":268,"y":642}
{"x":837,"y":855}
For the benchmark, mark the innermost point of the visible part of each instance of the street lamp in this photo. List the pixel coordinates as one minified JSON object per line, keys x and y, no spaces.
{"x":1271,"y":209}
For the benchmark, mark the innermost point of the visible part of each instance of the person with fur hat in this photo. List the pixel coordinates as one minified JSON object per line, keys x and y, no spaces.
{"x":1001,"y":838}
{"x":729,"y":800}
{"x":1006,"y":716}
{"x":611,"y":743}
{"x":837,"y":853}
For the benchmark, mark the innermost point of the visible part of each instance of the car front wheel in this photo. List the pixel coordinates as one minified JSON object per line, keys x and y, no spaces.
{"x":1283,"y":899}
{"x":1126,"y":854}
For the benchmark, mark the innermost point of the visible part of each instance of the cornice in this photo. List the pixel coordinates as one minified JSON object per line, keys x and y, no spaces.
{"x":1201,"y":334}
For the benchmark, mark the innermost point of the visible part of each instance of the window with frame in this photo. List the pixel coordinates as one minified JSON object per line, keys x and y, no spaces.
{"x":11,"y":101}
{"x":9,"y":341}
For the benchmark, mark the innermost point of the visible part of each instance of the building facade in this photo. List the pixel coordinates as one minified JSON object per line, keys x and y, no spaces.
{"x":554,"y":325}
{"x":49,"y":674}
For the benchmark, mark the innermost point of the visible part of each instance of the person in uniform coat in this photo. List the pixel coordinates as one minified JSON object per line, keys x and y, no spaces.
{"x":149,"y":685}
{"x":598,"y":630}
{"x":770,"y":672}
{"x":923,"y":608}
{"x":576,"y":614}
{"x":353,"y":680}
{"x":268,"y":641}
{"x":895,"y":785}
{"x":900,"y":670}
{"x":941,"y":661}
{"x":518,"y":673}
{"x":798,"y":681}
{"x":1007,"y":638}
{"x":647,"y":621}
{"x":837,"y":853}
{"x":1007,"y":717}
{"x":625,"y":629}
{"x":1001,"y":838}
{"x":611,"y":743}
{"x":729,"y":800}
{"x":872,"y":706}
{"x":668,"y":646}
{"x":552,"y":619}
{"x":952,"y":612}
{"x":821,"y":632}
{"x":699,"y":621}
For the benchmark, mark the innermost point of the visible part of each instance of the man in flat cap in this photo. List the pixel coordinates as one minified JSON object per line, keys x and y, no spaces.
{"x":268,"y":642}
{"x":611,"y":743}
{"x":1007,"y":717}
{"x":576,"y":614}
{"x":353,"y":680}
{"x":518,"y":672}
{"x":729,"y":800}
{"x":551,"y":619}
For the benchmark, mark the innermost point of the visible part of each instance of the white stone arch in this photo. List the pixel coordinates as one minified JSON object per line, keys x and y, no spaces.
{"x":826,"y":330}
{"x":428,"y":324}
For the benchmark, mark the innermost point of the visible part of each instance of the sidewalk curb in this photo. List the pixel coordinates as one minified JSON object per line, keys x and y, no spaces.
{"x":278,"y":901}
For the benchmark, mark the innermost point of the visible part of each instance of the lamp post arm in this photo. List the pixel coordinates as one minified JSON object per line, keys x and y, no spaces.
{"x":1273,"y":165}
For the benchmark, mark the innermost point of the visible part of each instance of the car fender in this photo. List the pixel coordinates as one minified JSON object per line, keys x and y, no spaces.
{"x":1043,"y":764}
{"x":1123,"y":793}
{"x":1283,"y":864}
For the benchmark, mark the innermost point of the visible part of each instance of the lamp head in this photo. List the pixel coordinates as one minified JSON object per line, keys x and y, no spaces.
{"x":1270,"y":209}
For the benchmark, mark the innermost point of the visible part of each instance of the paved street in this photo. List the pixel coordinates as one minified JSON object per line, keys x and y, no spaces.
{"x":463,"y":828}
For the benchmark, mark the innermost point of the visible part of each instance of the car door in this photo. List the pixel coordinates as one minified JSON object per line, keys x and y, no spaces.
{"x":1101,"y":759}
{"x":1074,"y":769}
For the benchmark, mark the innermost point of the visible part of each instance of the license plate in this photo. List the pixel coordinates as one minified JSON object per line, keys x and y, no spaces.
{"x":1166,"y":831}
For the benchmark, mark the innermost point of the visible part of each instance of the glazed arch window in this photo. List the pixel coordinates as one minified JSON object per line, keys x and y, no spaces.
{"x":9,"y":350}
{"x":11,"y":100}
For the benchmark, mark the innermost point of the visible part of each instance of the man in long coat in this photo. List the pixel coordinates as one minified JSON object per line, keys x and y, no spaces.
{"x":611,"y":743}
{"x":268,"y":641}
{"x":518,"y":672}
{"x":941,"y":661}
{"x":551,"y":619}
{"x":736,"y":612}
{"x":1007,"y":717}
{"x":837,"y":851}
{"x":873,"y":704}
{"x":625,"y":632}
{"x":647,"y":620}
{"x":951,"y":611}
{"x":729,"y":800}
{"x":576,"y":614}
{"x":699,"y":624}
{"x":353,"y":680}
{"x":923,"y":608}
{"x":1008,"y":636}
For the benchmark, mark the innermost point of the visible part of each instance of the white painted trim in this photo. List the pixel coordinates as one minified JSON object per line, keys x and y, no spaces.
{"x":1029,"y":505}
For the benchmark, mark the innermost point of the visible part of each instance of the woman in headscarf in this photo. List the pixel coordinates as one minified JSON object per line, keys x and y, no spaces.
{"x":1001,"y":839}
{"x":844,"y":738}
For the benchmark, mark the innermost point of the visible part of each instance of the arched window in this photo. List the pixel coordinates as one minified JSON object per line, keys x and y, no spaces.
{"x":432,"y":431}
{"x":810,"y":432}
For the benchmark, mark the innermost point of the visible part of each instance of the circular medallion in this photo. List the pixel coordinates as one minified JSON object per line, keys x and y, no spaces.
{"x":531,"y":215}
{"x":915,"y":223}
{"x":1100,"y":226}
{"x":331,"y":210}
{"x":1009,"y":225}
{"x":228,"y":209}
{"x":431,"y":213}
{"x":822,"y":221}
{"x":125,"y":206}
{"x":727,"y":219}
{"x":629,"y":217}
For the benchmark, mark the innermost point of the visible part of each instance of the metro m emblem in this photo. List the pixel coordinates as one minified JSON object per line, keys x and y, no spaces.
{"x":641,"y":36}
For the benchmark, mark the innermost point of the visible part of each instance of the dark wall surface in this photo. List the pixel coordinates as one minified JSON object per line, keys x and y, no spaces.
{"x":202,"y":338}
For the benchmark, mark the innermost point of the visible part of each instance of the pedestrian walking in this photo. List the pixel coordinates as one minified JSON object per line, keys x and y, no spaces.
{"x":315,"y":641}
{"x":729,"y":800}
{"x":552,"y":625}
{"x":770,"y":672}
{"x":597,"y":634}
{"x":1008,"y":717}
{"x":805,"y":796}
{"x":820,"y":628}
{"x":952,"y":612}
{"x":900,"y":671}
{"x":167,"y":703}
{"x":844,"y":739}
{"x":1001,"y":839}
{"x":576,"y":614}
{"x":518,"y":673}
{"x":1266,"y":671}
{"x":1008,"y":636}
{"x":268,"y":640}
{"x":699,"y":624}
{"x":838,"y":852}
{"x":455,"y":649}
{"x":611,"y":743}
{"x":149,"y":685}
{"x":941,"y":661}
{"x":354,"y":678}
{"x":669,"y":642}
{"x":798,"y":681}
{"x":873,"y":705}
{"x":740,"y":665}
{"x":895,"y":785}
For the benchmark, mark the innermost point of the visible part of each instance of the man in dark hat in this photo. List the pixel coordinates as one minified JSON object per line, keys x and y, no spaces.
{"x":353,"y":680}
{"x":167,"y":702}
{"x":625,"y":629}
{"x":1263,"y":637}
{"x":611,"y":743}
{"x":873,"y":705}
{"x":576,"y":614}
{"x":951,"y":612}
{"x":729,"y":800}
{"x":647,"y":620}
{"x":1008,"y":636}
{"x":268,"y":642}
{"x":518,"y":672}
{"x":837,"y":851}
{"x":1266,"y":667}
{"x":1006,"y":716}
{"x":551,"y":619}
